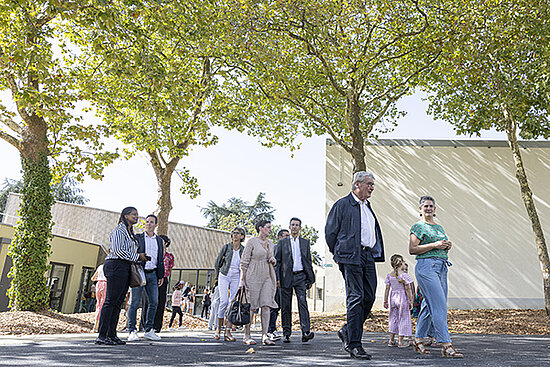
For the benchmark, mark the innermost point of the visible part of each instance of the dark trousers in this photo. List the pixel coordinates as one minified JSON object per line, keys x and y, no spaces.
{"x":205,"y":309}
{"x":159,"y":316}
{"x":299,"y":286}
{"x":360,"y":283}
{"x":274,"y":312}
{"x":117,"y":273}
{"x":175,"y":310}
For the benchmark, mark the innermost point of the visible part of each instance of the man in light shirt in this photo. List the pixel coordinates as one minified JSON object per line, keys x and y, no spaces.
{"x":354,"y":238}
{"x":294,"y":271}
{"x":152,"y":246}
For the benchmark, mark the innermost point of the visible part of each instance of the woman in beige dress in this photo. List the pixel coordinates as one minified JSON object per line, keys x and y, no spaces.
{"x":258,"y":278}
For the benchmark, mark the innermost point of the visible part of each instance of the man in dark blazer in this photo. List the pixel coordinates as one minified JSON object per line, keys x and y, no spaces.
{"x":152,"y":245}
{"x":354,"y":238}
{"x":294,"y":271}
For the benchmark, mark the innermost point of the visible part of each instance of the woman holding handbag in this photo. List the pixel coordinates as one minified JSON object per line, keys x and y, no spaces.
{"x":122,"y":253}
{"x":228,"y":275}
{"x":258,"y":278}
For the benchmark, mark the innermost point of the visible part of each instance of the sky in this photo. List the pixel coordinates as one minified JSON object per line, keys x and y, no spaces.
{"x":238,"y":166}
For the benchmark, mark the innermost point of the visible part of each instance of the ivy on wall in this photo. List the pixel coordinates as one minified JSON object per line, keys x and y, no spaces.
{"x":30,"y":246}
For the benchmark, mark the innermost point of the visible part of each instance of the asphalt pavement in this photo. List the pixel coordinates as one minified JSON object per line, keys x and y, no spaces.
{"x":199,"y":348}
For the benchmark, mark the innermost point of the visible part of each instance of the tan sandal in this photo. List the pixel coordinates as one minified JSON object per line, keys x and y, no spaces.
{"x":450,"y":352}
{"x":267,"y":341}
{"x":229,"y":338}
{"x":404,"y":344}
{"x":392,"y":343}
{"x":217,"y":336}
{"x":249,"y":341}
{"x":420,"y":348}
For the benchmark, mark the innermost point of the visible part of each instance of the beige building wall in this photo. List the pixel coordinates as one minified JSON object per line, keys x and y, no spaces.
{"x":494,"y":257}
{"x":76,"y":254}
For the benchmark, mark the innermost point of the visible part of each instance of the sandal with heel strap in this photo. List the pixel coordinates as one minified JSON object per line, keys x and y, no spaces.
{"x":450,"y":352}
{"x":420,"y":348}
{"x":249,"y":341}
{"x":229,"y":338}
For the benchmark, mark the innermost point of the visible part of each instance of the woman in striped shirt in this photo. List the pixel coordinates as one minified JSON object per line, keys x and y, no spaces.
{"x":122,"y":253}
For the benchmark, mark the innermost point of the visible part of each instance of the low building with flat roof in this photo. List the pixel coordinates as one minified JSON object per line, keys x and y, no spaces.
{"x":81,"y":242}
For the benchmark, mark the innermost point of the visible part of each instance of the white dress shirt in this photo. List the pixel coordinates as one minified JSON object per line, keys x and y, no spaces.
{"x":368,"y":234}
{"x":151,"y":249}
{"x":296,"y":254}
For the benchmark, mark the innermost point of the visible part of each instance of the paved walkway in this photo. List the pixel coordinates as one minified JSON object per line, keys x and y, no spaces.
{"x":199,"y":348}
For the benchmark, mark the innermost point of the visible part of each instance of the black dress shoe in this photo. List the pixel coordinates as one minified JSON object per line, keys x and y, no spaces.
{"x":118,"y":341}
{"x":104,"y":341}
{"x":307,"y":336}
{"x":343,"y":335}
{"x":358,"y":353}
{"x":286,"y":338}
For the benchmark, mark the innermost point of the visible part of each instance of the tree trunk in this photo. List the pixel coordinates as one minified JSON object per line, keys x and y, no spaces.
{"x":30,"y":246}
{"x":358,"y":145}
{"x":164,"y":179}
{"x":527,"y":197}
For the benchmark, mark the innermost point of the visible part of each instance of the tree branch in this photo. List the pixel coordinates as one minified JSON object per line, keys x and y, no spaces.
{"x":12,"y":125}
{"x":10,"y":139}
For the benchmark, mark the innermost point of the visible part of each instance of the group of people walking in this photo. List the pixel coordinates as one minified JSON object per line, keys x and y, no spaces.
{"x":270,"y":273}
{"x":127,"y":248}
{"x":267,"y":273}
{"x":354,"y":237}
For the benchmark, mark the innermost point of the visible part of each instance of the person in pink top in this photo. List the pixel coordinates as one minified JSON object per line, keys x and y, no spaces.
{"x":398,"y":290}
{"x":100,"y":290}
{"x":176,"y":305}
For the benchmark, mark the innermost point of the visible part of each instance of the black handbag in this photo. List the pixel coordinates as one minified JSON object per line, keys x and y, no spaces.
{"x":238,"y":313}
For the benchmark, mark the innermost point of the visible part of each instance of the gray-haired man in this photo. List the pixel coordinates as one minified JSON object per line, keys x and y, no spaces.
{"x":354,"y":238}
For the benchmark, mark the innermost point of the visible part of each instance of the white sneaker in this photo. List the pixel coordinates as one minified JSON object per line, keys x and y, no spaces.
{"x":171,"y":329}
{"x":132,"y":337}
{"x":274,"y":336}
{"x":182,"y":328}
{"x":150,"y":335}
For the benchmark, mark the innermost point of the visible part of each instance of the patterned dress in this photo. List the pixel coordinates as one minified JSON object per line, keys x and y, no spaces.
{"x":260,"y":278}
{"x":400,"y":315}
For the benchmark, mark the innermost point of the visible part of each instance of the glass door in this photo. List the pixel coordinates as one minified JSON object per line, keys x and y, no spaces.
{"x":83,"y":298}
{"x":57,"y":282}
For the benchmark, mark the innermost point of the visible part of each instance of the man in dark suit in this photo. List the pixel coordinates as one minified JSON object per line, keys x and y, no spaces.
{"x":272,"y":329}
{"x":354,"y":238}
{"x":152,"y":245}
{"x":294,"y":271}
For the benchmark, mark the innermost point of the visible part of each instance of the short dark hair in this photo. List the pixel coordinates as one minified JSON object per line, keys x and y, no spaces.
{"x":280,"y":233}
{"x":153,"y":216}
{"x":261,"y":224}
{"x":165,"y":239}
{"x":243,"y":232}
{"x":294,"y":218}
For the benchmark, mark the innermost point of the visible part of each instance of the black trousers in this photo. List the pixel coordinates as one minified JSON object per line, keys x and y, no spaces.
{"x":274,"y":312}
{"x":299,"y":287}
{"x":205,"y":310}
{"x":159,"y":316}
{"x":117,"y":273}
{"x":360,"y":283}
{"x":175,"y":310}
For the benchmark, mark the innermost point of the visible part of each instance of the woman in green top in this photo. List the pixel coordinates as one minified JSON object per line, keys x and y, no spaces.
{"x":430,"y":244}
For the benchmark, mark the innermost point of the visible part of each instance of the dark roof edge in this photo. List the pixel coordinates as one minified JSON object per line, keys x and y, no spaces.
{"x":452,"y":143}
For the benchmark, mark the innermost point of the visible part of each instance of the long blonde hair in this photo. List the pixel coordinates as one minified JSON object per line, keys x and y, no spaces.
{"x":396,"y":261}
